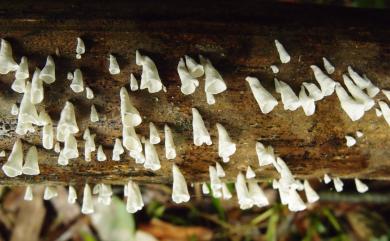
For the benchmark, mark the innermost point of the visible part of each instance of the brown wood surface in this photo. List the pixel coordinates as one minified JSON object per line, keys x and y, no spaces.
{"x":238,"y":38}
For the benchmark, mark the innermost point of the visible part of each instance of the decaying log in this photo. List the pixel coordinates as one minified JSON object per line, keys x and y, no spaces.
{"x":239,"y":39}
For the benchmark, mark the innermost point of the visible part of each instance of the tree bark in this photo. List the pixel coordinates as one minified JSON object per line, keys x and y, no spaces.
{"x":239,"y":39}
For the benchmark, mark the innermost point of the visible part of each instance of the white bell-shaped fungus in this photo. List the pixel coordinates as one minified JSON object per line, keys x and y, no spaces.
{"x":113,"y":65}
{"x":283,"y":55}
{"x":257,"y":195}
{"x":289,"y":99}
{"x":372,"y":90}
{"x":196,"y":70}
{"x":314,"y":91}
{"x":215,"y":182}
{"x":133,"y":83}
{"x":359,"y":134}
{"x":311,"y":195}
{"x":200,"y":132}
{"x":152,"y":160}
{"x":327,"y":178}
{"x":295,"y":202}
{"x":80,"y":48}
{"x":131,"y":140}
{"x":28,"y":194}
{"x":19,"y":85}
{"x":101,"y":156}
{"x":89,"y":145}
{"x":226,"y":147}
{"x":70,"y":150}
{"x":244,"y":199}
{"x":358,"y":94}
{"x":359,"y":80}
{"x":94,"y":117}
{"x":307,"y":102}
{"x":62,"y":160}
{"x":265,"y":155}
{"x":360,"y":186}
{"x":188,"y":82}
{"x":22,"y":71}
{"x":14,"y":109}
{"x":283,"y":189}
{"x":72,"y":195}
{"x":350,"y":141}
{"x":69,"y":76}
{"x":57,"y":147}
{"x":67,"y":123}
{"x":263,"y":98}
{"x":13,"y":166}
{"x":129,"y":114}
{"x":205,"y":188}
{"x":274,"y":69}
{"x":378,"y":112}
{"x":87,"y":205}
{"x":47,"y":130}
{"x":179,"y":187}
{"x":37,"y":92}
{"x":250,"y":173}
{"x":326,"y":83}
{"x":2,"y":153}
{"x":31,"y":166}
{"x":210,"y":98}
{"x":220,"y":171}
{"x":50,"y":192}
{"x":338,"y":184}
{"x":154,"y":137}
{"x":134,"y":198}
{"x":170,"y":148}
{"x":89,"y":93}
{"x":150,"y":78}
{"x":387,"y":94}
{"x":328,"y":66}
{"x":105,"y":193}
{"x":214,"y":83}
{"x":385,"y":110}
{"x":118,"y":150}
{"x":138,"y":156}
{"x":7,"y":62}
{"x":354,"y":109}
{"x":226,"y":194}
{"x":77,"y":84}
{"x":48,"y":73}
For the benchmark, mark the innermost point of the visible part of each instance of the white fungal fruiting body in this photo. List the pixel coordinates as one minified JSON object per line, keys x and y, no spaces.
{"x":62,"y":160}
{"x":283,"y":55}
{"x":118,"y":150}
{"x":355,"y":110}
{"x":226,"y":194}
{"x":311,"y":195}
{"x":37,"y":92}
{"x":295,"y":202}
{"x":150,"y":78}
{"x":244,"y":199}
{"x":31,"y":166}
{"x":350,"y":141}
{"x":129,"y":114}
{"x":57,"y":147}
{"x":226,"y":147}
{"x":133,"y":83}
{"x":200,"y":132}
{"x":49,"y":193}
{"x":48,"y":73}
{"x":257,"y":195}
{"x":179,"y":189}
{"x":205,"y":188}
{"x":314,"y":91}
{"x":69,"y":76}
{"x":2,"y":153}
{"x":80,"y":48}
{"x":67,"y":123}
{"x":14,"y":110}
{"x":338,"y":184}
{"x":19,"y":85}
{"x":360,"y":186}
{"x":13,"y":166}
{"x":220,"y":171}
{"x":326,"y":83}
{"x":289,"y":98}
{"x":70,"y":150}
{"x":134,"y":198}
{"x":22,"y":70}
{"x":372,"y":90}
{"x":214,"y":83}
{"x":89,"y":93}
{"x":327,"y":178}
{"x":170,"y":148}
{"x":328,"y":66}
{"x":152,"y":160}
{"x":387,"y":94}
{"x":215,"y":182}
{"x":307,"y":102}
{"x":385,"y":111}
{"x":196,"y":70}
{"x":263,"y":98}
{"x":7,"y":62}
{"x":28,"y":194}
{"x":358,"y":94}
{"x":113,"y":65}
{"x":378,"y":112}
{"x":94,"y":117}
{"x":265,"y":155}
{"x":154,"y":137}
{"x":131,"y":140}
{"x":274,"y":69}
{"x":87,"y":205}
{"x":359,"y":134}
{"x":72,"y":195}
{"x":250,"y":173}
{"x":210,"y":98}
{"x":359,"y":80}
{"x":188,"y":82}
{"x":77,"y":84}
{"x":101,"y":156}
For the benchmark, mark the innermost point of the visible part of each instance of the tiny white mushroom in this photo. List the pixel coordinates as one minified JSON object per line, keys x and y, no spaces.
{"x":283,"y":55}
{"x":28,"y":194}
{"x":150,"y":78}
{"x":307,"y":102}
{"x":129,"y":114}
{"x":2,"y":153}
{"x":154,"y":137}
{"x":311,"y":195}
{"x":118,"y":150}
{"x":72,"y":195}
{"x":256,"y":194}
{"x":385,"y":110}
{"x":67,"y":123}
{"x":133,"y":83}
{"x":265,"y":155}
{"x":200,"y":132}
{"x":57,"y":147}
{"x":359,"y":134}
{"x":22,"y":71}
{"x":87,"y":205}
{"x":19,"y":85}
{"x":94,"y":117}
{"x":358,"y":94}
{"x":48,"y":73}
{"x":37,"y":91}
{"x":80,"y":48}
{"x":179,"y":187}
{"x":214,"y":83}
{"x":28,"y":114}
{"x":210,"y":99}
{"x":50,"y":192}
{"x":188,"y":82}
{"x":354,"y":109}
{"x":295,"y":202}
{"x":205,"y":188}
{"x":360,"y":186}
{"x":131,"y":140}
{"x":215,"y":182}
{"x":152,"y":160}
{"x":226,"y":147}
{"x":378,"y":112}
{"x":350,"y":141}
{"x":70,"y":150}
{"x":372,"y":90}
{"x":250,"y":173}
{"x":170,"y":148}
{"x":62,"y":160}
{"x":359,"y":80}
{"x":314,"y":91}
{"x":47,"y":130}
{"x":196,"y":70}
{"x":31,"y":166}
{"x":69,"y":76}
{"x":328,"y":66}
{"x":101,"y":156}
{"x":14,"y":164}
{"x":274,"y":69}
{"x":14,"y":110}
{"x":226,"y":194}
{"x":134,"y":198}
{"x":244,"y":199}
{"x":7,"y":62}
{"x":327,"y":178}
{"x":89,"y":93}
{"x":113,"y":65}
{"x":338,"y":184}
{"x":263,"y":98}
{"x":289,"y":99}
{"x":220,"y":171}
{"x":77,"y":84}
{"x":326,"y":83}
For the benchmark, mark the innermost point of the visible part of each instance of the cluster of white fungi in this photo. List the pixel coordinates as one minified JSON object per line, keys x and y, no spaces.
{"x":355,"y":103}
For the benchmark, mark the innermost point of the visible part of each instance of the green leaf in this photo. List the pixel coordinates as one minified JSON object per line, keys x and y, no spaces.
{"x":271,"y":228}
{"x":220,"y":210}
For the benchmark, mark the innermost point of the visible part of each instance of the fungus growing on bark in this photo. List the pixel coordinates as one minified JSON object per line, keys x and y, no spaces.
{"x":31,"y":166}
{"x":188,"y":82}
{"x":326,"y":83}
{"x":77,"y":84}
{"x":80,"y":48}
{"x":113,"y":66}
{"x":152,"y":160}
{"x":134,"y":198}
{"x":150,"y":79}
{"x":87,"y":205}
{"x":48,"y":73}
{"x":72,"y":195}
{"x":14,"y":164}
{"x":283,"y":55}
{"x":350,"y":141}
{"x":170,"y":148}
{"x":118,"y":150}
{"x":226,"y":147}
{"x":50,"y":192}
{"x":328,"y":66}
{"x":7,"y":62}
{"x":263,"y":98}
{"x":179,"y":187}
{"x":200,"y":132}
{"x":94,"y":117}
{"x":289,"y":99}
